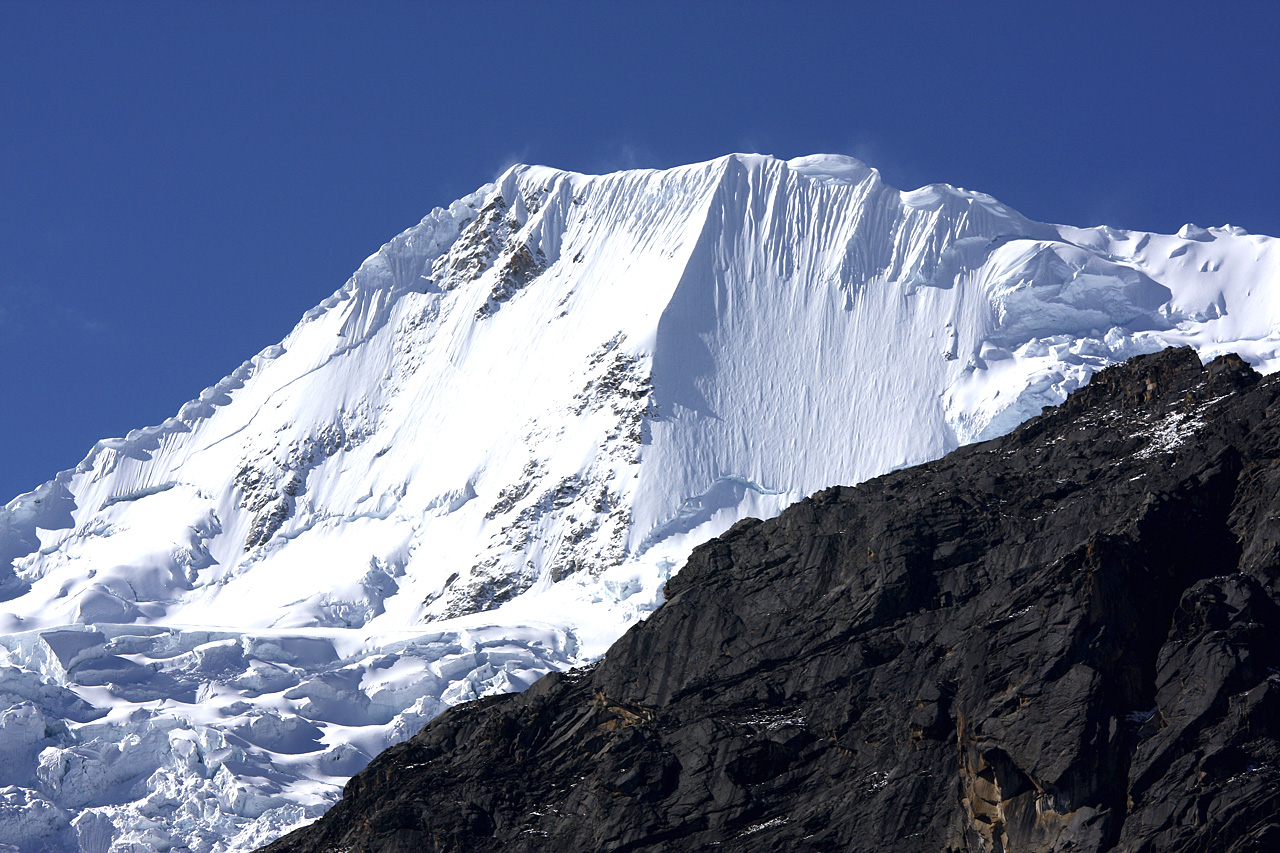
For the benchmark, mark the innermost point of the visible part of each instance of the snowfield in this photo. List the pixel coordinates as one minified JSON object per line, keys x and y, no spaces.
{"x":479,"y":460}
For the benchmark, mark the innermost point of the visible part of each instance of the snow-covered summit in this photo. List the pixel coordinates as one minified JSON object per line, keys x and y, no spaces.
{"x":480,"y":457}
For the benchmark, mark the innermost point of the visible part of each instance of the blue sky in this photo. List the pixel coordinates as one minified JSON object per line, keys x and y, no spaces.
{"x":180,"y":182}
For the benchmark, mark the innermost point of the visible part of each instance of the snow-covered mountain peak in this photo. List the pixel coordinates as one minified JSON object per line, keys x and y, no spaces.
{"x":482,"y":455}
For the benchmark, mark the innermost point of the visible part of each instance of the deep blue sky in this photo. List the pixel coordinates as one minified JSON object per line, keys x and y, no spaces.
{"x":180,"y":182}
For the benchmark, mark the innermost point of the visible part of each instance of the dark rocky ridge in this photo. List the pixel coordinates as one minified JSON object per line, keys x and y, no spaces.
{"x":1065,"y":639}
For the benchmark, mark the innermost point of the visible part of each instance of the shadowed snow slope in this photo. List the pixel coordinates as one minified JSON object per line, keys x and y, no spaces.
{"x":481,"y":457}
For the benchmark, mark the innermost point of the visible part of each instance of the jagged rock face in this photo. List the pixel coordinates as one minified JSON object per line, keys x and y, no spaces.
{"x":1060,"y":640}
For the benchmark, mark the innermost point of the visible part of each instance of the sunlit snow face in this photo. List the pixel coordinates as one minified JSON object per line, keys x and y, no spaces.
{"x":482,"y":457}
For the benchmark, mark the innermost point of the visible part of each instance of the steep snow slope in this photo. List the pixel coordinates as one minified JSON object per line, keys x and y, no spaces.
{"x":481,"y":457}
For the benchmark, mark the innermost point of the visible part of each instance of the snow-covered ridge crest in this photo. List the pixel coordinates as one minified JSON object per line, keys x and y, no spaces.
{"x":480,"y":458}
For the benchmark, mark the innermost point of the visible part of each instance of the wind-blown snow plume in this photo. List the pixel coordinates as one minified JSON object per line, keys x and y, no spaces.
{"x":480,"y":458}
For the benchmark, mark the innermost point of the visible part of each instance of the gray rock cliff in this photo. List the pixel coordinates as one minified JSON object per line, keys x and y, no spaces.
{"x":1067,"y":639}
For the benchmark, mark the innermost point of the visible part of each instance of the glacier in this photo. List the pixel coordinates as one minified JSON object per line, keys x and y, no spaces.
{"x":480,"y":459}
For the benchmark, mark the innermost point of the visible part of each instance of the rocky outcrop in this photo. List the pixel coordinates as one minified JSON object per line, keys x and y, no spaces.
{"x":1062,"y":640}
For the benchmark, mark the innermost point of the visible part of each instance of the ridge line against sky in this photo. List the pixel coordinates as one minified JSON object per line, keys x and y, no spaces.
{"x":181,"y":182}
